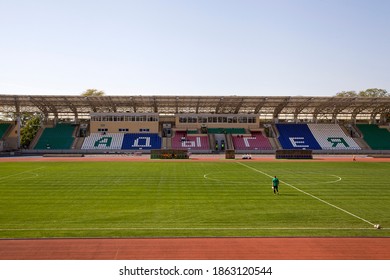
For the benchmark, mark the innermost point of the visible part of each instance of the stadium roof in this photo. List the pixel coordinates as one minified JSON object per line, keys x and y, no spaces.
{"x":80,"y":106}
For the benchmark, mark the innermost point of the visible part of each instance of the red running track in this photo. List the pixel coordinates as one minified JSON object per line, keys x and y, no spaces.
{"x":197,"y":249}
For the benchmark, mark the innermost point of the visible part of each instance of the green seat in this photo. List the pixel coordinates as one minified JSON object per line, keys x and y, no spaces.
{"x":59,"y":137}
{"x":3,"y":128}
{"x":377,"y":138}
{"x":226,"y":130}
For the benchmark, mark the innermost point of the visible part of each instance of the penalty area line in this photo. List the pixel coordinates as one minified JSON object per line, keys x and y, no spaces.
{"x":309,"y":194}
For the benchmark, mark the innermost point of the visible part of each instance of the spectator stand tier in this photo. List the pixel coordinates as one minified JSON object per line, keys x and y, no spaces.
{"x":182,"y":140}
{"x":103,"y":141}
{"x":141,"y":141}
{"x":59,"y":137}
{"x":296,"y":136}
{"x":377,"y":138}
{"x":255,"y":141}
{"x":332,"y":137}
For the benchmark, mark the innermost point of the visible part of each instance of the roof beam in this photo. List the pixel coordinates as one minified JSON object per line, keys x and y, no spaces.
{"x":239,"y":105}
{"x":280,"y":107}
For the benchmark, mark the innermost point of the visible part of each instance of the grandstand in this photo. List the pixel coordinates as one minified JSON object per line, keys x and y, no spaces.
{"x":3,"y":128}
{"x":315,"y":137}
{"x":202,"y":124}
{"x":331,"y":136}
{"x":255,"y":141}
{"x":182,"y":140}
{"x":141,"y":141}
{"x":377,"y":138}
{"x":59,"y":137}
{"x":297,"y":136}
{"x":103,"y":141}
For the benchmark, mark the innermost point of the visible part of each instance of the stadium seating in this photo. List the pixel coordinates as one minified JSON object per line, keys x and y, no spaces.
{"x":296,"y":136}
{"x":183,"y":141}
{"x":141,"y":141}
{"x":109,"y":141}
{"x":3,"y":128}
{"x":59,"y":137}
{"x":332,"y":137}
{"x":257,"y":141}
{"x":377,"y":138}
{"x":121,"y":141}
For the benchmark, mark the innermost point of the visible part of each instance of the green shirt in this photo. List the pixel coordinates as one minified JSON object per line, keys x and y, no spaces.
{"x":275,"y":182}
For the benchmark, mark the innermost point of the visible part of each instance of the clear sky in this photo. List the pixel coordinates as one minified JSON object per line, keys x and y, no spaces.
{"x":194,"y":47}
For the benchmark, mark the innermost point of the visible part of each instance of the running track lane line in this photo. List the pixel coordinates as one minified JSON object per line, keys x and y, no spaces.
{"x":313,"y":196}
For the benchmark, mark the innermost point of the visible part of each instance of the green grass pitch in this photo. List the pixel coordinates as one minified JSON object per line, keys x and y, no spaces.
{"x":193,"y":199}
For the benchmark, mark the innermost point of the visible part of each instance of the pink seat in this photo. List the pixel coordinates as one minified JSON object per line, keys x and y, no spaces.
{"x":257,"y":141}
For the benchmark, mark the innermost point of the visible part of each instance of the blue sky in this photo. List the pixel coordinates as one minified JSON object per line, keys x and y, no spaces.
{"x":198,"y":47}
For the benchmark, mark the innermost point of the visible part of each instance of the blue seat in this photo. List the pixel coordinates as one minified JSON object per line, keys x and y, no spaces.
{"x":141,"y":141}
{"x":296,"y":136}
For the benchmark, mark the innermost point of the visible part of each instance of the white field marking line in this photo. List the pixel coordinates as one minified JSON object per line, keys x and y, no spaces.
{"x":313,"y":196}
{"x":206,"y":176}
{"x":331,"y":182}
{"x":187,"y":228}
{"x":338,"y":179}
{"x":28,"y":171}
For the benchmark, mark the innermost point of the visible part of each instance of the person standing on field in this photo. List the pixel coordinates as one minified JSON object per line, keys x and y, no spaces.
{"x":275,"y":185}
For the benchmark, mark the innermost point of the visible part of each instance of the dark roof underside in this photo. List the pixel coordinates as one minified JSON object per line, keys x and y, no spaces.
{"x":80,"y":106}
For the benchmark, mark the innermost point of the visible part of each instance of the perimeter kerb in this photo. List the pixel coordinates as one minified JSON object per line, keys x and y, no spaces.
{"x":169,"y":154}
{"x":294,"y":154}
{"x":230,"y":154}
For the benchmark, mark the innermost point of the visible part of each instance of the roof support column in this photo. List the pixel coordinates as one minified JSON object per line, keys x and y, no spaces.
{"x":295,"y":118}
{"x":383,"y":118}
{"x":18,"y":126}
{"x":315,"y":118}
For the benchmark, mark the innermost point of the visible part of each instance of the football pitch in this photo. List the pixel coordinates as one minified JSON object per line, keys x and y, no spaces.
{"x":193,"y":199}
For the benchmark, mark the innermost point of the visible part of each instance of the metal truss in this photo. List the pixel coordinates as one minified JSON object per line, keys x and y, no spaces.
{"x":75,"y":107}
